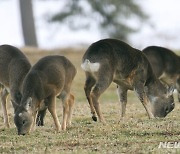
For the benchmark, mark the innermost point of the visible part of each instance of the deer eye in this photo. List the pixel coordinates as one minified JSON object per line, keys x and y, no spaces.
{"x":23,"y":122}
{"x":167,"y":110}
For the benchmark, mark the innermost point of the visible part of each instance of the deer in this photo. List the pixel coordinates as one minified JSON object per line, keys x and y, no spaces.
{"x":112,"y":60}
{"x":165,"y":64}
{"x":49,"y":78}
{"x":14,"y":66}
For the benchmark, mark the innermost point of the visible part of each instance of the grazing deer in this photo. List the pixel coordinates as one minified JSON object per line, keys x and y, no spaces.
{"x":13,"y":67}
{"x":165,"y":64}
{"x":111,"y":60}
{"x":49,"y":78}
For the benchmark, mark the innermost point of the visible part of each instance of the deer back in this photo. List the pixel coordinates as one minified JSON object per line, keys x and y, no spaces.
{"x":163,"y":61}
{"x":14,"y":66}
{"x":49,"y":75}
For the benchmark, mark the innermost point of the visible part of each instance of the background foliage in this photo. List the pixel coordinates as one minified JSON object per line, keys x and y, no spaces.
{"x":114,"y":18}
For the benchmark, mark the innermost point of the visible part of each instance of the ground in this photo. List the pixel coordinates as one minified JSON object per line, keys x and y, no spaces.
{"x":134,"y":134}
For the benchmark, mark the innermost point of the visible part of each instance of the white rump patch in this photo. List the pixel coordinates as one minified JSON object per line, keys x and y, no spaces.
{"x":90,"y":67}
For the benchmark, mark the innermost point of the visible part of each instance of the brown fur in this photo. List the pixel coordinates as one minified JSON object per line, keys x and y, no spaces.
{"x":165,"y":64}
{"x":49,"y":78}
{"x":111,"y":60}
{"x":13,"y":67}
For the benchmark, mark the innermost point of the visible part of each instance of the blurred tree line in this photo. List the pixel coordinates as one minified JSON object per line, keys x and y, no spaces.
{"x":111,"y":16}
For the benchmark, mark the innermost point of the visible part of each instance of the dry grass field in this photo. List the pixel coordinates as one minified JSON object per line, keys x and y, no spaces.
{"x":134,"y":134}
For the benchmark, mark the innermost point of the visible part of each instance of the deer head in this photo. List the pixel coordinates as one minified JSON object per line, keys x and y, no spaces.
{"x":24,"y":116}
{"x":161,"y":98}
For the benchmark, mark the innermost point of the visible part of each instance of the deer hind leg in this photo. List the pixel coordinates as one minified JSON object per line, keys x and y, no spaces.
{"x":4,"y":93}
{"x":65,"y":96}
{"x":101,"y":85}
{"x":139,"y":89}
{"x":90,"y":82}
{"x":71,"y":104}
{"x":52,"y":109}
{"x":123,"y":100}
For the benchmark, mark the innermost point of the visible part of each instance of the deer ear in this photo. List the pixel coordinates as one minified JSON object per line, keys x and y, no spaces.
{"x":28,"y":104}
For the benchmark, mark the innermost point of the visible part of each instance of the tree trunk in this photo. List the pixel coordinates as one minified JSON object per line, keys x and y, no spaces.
{"x":27,"y":22}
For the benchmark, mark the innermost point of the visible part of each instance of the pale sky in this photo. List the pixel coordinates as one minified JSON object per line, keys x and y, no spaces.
{"x":162,"y":29}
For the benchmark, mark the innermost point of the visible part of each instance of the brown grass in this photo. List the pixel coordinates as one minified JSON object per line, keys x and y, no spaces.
{"x":135,"y":134}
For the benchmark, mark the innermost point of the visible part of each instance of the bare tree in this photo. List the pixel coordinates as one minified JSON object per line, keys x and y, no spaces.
{"x":27,"y":21}
{"x":111,"y":16}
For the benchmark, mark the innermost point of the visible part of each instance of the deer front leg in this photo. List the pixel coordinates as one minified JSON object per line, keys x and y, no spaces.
{"x":52,"y":110}
{"x":139,"y":89}
{"x":40,"y":117}
{"x":122,"y":92}
{"x":4,"y":94}
{"x":34,"y":121}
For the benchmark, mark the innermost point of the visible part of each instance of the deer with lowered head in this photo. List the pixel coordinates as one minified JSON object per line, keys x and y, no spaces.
{"x":112,"y":60}
{"x":165,"y":64}
{"x":49,"y":78}
{"x":13,"y":68}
